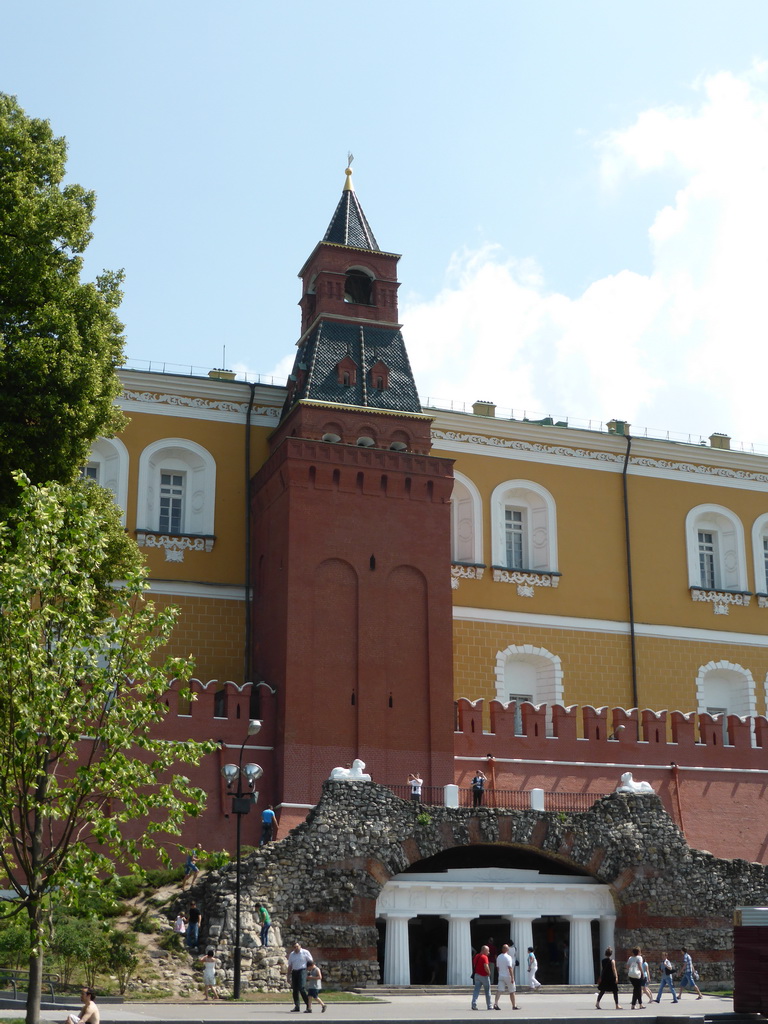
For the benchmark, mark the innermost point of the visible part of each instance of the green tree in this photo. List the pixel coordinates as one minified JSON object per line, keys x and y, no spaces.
{"x":121,"y":958}
{"x":86,"y":782}
{"x":60,"y":338}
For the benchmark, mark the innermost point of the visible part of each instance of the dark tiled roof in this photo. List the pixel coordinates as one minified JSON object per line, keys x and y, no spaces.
{"x":348,"y":225}
{"x":316,"y":378}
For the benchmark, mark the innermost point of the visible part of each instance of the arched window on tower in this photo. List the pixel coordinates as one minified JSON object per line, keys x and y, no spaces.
{"x":379,"y":374}
{"x":346,"y":370}
{"x":358,"y":287}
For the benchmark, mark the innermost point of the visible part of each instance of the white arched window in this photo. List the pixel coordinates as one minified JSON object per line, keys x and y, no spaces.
{"x":108,"y":467}
{"x":466,"y":521}
{"x":725,"y":689}
{"x":760,"y":553}
{"x":177,"y":489}
{"x":524,"y":527}
{"x":528,"y":673}
{"x":715,"y":545}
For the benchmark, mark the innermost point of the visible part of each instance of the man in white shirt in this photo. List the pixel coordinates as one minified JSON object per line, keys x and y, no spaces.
{"x":505,"y":965}
{"x":415,"y":782}
{"x":298,"y":958}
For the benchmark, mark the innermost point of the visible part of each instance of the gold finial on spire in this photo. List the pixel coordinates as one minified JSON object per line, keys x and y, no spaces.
{"x":348,"y":187}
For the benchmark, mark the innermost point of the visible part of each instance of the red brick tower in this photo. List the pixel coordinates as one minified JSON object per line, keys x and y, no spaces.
{"x":351,"y":539}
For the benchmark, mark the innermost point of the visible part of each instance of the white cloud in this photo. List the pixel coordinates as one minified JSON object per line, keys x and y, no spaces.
{"x":682,"y":348}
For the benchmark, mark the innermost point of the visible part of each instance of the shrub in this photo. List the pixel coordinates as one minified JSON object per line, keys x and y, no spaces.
{"x":121,"y":959}
{"x":14,"y":943}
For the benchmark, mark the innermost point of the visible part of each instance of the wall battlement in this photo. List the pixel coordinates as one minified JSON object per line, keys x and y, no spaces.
{"x":615,"y":735}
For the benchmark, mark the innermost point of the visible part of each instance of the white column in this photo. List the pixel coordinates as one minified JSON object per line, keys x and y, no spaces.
{"x":459,"y":951}
{"x":522,"y":936}
{"x":397,"y":965}
{"x":582,"y":965}
{"x":607,"y":930}
{"x":537,"y":799}
{"x":451,"y":795}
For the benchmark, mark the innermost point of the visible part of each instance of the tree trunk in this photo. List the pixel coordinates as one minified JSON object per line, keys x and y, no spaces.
{"x":34,"y":993}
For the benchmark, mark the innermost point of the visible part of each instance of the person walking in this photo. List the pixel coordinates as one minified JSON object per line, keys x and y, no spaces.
{"x":209,"y":974}
{"x":268,"y":825}
{"x":482,"y":971}
{"x":609,"y":979}
{"x":314,"y":984}
{"x":194,"y":920}
{"x":298,"y":958}
{"x":689,"y":977}
{"x":478,"y":788}
{"x":635,"y":975}
{"x":191,"y":870}
{"x":532,"y":965}
{"x":646,"y":982}
{"x":415,"y":782}
{"x":505,"y":966}
{"x":667,"y":975}
{"x":266,"y":923}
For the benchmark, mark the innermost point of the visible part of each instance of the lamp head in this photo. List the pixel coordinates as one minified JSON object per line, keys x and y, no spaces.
{"x":229,"y":771}
{"x":254,"y":726}
{"x":252,"y":772}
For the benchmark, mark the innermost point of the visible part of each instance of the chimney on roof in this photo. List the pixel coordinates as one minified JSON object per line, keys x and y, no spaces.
{"x":484,"y":408}
{"x":721,"y":441}
{"x":618,"y":427}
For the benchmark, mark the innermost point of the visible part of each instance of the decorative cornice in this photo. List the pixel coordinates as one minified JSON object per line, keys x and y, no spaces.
{"x":174,"y":546}
{"x":465,"y":572}
{"x":526,"y":581}
{"x":721,"y":599}
{"x":563,"y":451}
{"x":206,"y":404}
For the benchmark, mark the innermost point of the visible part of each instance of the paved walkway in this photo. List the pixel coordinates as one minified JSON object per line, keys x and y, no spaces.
{"x":405,"y":1007}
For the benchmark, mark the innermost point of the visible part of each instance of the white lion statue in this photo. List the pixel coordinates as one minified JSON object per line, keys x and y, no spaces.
{"x":628,"y":785}
{"x":354,"y":774}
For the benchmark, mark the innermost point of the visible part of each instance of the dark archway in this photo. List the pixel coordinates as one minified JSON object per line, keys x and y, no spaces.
{"x":495,"y":855}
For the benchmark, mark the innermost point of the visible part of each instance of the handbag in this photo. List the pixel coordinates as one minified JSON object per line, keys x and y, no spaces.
{"x":669,"y":971}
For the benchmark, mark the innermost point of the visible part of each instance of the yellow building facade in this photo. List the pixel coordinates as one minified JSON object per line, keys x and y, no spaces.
{"x":541,"y":567}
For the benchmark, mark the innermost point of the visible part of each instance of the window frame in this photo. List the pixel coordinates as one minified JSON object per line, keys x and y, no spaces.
{"x":540,"y":525}
{"x":729,"y":550}
{"x":175,"y":454}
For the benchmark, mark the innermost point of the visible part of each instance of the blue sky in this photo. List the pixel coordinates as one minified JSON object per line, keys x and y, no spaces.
{"x":577,"y":188}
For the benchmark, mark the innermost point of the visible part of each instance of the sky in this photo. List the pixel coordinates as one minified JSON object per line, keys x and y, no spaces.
{"x":579,"y":189}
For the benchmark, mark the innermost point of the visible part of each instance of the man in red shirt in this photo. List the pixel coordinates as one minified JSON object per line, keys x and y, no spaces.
{"x":482,"y":971}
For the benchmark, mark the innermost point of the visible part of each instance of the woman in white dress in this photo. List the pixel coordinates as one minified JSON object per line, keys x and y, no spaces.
{"x":209,"y":975}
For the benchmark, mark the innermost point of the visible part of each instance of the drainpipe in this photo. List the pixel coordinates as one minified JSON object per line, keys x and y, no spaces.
{"x":676,"y":777}
{"x":248,"y":651}
{"x":630,"y":593}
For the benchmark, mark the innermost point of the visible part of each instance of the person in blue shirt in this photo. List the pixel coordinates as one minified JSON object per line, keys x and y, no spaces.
{"x":268,"y":825}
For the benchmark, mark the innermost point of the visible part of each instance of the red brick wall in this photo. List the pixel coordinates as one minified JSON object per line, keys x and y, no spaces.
{"x":353,"y":612}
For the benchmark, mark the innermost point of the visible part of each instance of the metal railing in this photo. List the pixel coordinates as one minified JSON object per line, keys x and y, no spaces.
{"x":504,"y":799}
{"x":13,"y":975}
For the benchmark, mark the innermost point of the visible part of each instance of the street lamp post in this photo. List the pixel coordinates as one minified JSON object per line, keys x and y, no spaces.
{"x":241,"y":804}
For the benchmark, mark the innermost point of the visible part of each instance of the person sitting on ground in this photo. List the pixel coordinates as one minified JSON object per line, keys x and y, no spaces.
{"x":90,"y":1011}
